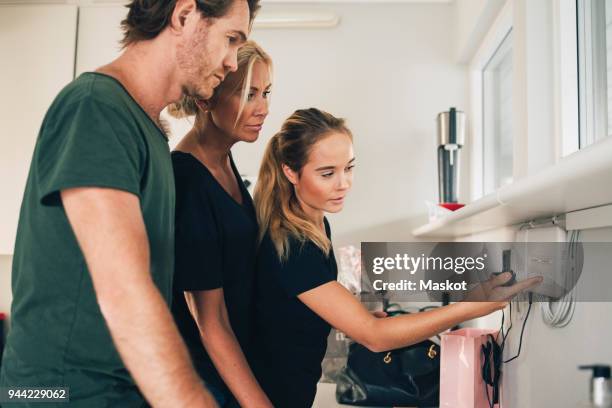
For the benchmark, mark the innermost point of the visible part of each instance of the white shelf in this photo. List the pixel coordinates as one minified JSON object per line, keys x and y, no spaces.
{"x":580,"y":181}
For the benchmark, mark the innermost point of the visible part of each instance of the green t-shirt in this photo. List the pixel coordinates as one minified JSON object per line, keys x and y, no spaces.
{"x":94,"y":135}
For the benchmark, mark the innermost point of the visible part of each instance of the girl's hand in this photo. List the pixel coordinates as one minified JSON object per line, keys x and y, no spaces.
{"x":491,"y":296}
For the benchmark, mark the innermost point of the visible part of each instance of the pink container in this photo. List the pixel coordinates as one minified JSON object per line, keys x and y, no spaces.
{"x":461,"y":383}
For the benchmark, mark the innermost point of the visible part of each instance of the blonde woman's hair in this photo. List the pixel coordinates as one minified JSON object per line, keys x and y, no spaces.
{"x":277,"y":208}
{"x":248,"y":54}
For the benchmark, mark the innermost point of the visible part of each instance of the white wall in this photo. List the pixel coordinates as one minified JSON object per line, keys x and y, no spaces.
{"x":472,"y":21}
{"x":37,"y":44}
{"x":533,"y":92}
{"x":466,"y":16}
{"x":388,"y":69}
{"x":546,"y":374}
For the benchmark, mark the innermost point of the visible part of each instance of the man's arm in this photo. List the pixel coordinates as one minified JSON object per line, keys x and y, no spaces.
{"x":110,"y":230}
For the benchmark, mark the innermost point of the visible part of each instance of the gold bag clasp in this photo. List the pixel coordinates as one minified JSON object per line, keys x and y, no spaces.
{"x":387,"y":358}
{"x":432,"y":352}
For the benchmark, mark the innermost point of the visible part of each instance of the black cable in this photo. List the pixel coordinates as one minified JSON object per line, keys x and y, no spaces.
{"x":501,"y":327}
{"x":511,"y":323}
{"x":506,"y":334}
{"x":493,"y":352}
{"x":491,"y":369}
{"x":491,"y":366}
{"x":489,"y":400}
{"x":523,"y":329}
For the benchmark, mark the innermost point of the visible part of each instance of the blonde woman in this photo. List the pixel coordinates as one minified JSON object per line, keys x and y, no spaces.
{"x":307,"y":170}
{"x":216,"y":230}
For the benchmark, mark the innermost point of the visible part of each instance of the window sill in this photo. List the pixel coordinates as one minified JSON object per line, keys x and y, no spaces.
{"x":579,"y":181}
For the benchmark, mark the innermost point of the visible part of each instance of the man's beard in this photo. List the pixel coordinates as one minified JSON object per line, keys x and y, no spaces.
{"x":196,"y":70}
{"x":192,"y":92}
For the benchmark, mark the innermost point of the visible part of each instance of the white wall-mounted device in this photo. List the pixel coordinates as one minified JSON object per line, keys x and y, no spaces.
{"x":546,"y":252}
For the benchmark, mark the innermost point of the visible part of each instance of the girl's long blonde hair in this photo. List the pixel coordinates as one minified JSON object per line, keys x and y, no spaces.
{"x":278,"y":211}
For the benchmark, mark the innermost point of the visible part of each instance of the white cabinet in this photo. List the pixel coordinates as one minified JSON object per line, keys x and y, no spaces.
{"x":38,"y":50}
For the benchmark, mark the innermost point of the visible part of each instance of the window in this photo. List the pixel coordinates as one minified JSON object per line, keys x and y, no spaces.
{"x":497,"y":141}
{"x":490,"y":113}
{"x":595,"y":69}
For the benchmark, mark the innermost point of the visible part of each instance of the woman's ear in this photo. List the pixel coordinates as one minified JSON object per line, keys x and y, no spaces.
{"x":291,"y":175}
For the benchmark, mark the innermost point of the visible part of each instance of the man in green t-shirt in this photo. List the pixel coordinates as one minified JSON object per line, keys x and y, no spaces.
{"x":94,"y":255}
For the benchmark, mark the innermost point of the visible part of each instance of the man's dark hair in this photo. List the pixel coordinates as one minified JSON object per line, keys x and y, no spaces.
{"x":147,"y":18}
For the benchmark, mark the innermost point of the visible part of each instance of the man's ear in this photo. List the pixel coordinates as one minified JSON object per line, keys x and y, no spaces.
{"x":291,"y":175}
{"x":183,"y":9}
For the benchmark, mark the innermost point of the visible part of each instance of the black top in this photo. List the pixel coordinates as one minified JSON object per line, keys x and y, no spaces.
{"x":290,"y":339}
{"x":215,"y":248}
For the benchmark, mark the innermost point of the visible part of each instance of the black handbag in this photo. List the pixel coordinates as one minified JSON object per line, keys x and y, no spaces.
{"x":405,"y":377}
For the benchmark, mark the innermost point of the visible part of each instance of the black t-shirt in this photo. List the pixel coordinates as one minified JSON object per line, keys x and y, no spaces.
{"x":290,"y":339}
{"x":215,"y":248}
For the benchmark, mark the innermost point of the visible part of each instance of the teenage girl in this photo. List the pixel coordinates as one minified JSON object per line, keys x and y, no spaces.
{"x":307,"y":171}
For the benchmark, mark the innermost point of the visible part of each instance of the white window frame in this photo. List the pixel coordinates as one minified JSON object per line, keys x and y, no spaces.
{"x":500,"y":28}
{"x":592,"y":63}
{"x":545,"y":86}
{"x":490,"y":106}
{"x":565,"y":54}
